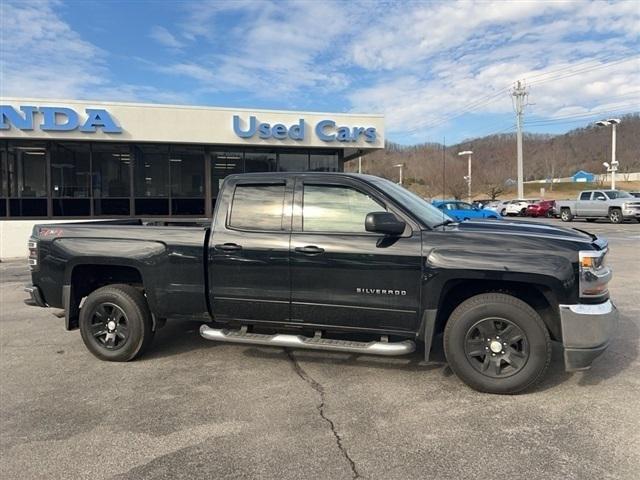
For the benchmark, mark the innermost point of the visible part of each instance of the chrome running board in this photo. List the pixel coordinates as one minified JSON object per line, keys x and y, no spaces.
{"x":384,"y":348}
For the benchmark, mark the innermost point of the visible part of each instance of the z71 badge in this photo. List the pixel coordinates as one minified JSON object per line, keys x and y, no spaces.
{"x":380,"y":291}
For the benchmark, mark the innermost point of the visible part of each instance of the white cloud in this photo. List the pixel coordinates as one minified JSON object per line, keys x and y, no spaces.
{"x":42,"y":56}
{"x":165,"y":37}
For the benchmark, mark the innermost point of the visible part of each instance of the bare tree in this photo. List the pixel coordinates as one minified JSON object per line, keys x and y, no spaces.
{"x":493,"y":191}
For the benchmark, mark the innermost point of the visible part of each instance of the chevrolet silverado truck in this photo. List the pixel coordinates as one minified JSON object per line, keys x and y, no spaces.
{"x":338,"y":262}
{"x":616,"y":205}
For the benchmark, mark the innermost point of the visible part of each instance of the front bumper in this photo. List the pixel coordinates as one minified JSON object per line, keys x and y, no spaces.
{"x":35,"y":295}
{"x":586,"y":332}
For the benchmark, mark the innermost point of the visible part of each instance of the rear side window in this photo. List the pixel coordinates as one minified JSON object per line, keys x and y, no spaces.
{"x":257,"y":207}
{"x":585,"y":195}
{"x":336,"y":208}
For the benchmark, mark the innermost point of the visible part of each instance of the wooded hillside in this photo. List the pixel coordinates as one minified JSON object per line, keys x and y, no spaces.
{"x":494,"y":159}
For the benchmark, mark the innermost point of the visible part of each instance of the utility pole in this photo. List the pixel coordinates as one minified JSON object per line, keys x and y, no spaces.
{"x":519,"y":94}
{"x":468,"y":153}
{"x":359,"y":164}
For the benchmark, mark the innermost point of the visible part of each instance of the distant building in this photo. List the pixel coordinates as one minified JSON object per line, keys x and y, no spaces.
{"x":582,"y":176}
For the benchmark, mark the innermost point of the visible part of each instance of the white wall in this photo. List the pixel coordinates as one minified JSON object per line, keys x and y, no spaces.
{"x":15,"y":233}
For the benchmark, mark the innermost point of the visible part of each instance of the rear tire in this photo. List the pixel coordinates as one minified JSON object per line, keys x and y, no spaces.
{"x":115,"y":323}
{"x":472,"y":344}
{"x":503,"y":212}
{"x":615,"y":215}
{"x":565,"y":215}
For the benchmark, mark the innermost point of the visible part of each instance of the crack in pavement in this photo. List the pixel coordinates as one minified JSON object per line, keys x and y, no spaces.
{"x":320,"y":389}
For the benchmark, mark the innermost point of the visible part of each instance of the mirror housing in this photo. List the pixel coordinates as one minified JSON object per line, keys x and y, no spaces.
{"x":384,"y":222}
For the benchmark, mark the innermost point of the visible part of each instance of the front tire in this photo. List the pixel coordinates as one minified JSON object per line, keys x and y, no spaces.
{"x":497,"y":343}
{"x":115,"y":323}
{"x":615,"y":215}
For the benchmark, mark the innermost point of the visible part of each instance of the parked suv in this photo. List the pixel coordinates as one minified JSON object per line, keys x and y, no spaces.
{"x":518,"y":207}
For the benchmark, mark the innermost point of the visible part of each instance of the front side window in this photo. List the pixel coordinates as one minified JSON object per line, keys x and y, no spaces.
{"x":336,"y":208}
{"x":599,"y":196}
{"x":257,"y":207}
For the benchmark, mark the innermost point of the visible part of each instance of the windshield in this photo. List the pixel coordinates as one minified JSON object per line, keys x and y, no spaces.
{"x":613,"y":194}
{"x":422,"y":209}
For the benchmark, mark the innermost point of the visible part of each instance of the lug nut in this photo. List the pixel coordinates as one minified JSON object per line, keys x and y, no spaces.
{"x":493,"y":354}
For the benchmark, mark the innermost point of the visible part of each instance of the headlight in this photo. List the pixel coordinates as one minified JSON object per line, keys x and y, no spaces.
{"x":594,"y":273}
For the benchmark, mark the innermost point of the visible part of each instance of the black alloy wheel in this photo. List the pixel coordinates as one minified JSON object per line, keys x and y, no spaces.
{"x":496,"y":347}
{"x":115,"y":323}
{"x":497,"y":343}
{"x":109,"y":325}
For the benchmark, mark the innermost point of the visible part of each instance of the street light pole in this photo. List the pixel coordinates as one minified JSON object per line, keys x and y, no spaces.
{"x":400,"y":165}
{"x":613,"y":167}
{"x":468,"y":177}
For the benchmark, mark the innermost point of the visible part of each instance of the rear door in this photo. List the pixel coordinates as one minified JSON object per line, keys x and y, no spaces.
{"x":249,"y":251}
{"x":342,"y":275}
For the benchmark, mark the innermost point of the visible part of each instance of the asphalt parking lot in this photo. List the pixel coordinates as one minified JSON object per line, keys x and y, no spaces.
{"x":193,"y":408}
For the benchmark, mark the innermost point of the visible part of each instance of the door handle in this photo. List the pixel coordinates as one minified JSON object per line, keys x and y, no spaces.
{"x":228,"y":247}
{"x":310,"y":250}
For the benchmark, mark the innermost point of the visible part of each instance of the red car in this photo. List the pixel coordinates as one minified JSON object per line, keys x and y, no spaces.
{"x":543,"y":208}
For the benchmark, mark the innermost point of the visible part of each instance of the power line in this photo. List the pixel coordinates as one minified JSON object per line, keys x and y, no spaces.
{"x":583,"y":70}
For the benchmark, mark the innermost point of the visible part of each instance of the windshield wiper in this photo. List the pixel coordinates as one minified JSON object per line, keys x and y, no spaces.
{"x":443,"y":224}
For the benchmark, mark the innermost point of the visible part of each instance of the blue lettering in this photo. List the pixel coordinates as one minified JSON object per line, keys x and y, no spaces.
{"x":264,"y":130}
{"x":50,"y":117}
{"x":100,"y":118}
{"x":320,"y":130}
{"x":279,"y":131}
{"x":370,"y":135}
{"x":296,"y":132}
{"x":244,"y":133}
{"x":18,"y":121}
{"x":344,"y":134}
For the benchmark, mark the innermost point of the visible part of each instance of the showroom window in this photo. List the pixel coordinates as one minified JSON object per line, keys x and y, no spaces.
{"x":293,"y":162}
{"x":71,"y":179}
{"x":324,"y":162}
{"x":27,"y":180}
{"x":187,"y":180}
{"x":111,"y":179}
{"x":224,"y":163}
{"x":260,"y":161}
{"x":4,"y":188}
{"x":151,"y":179}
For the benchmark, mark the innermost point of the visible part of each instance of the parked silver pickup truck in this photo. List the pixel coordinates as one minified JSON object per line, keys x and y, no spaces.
{"x":616,"y":205}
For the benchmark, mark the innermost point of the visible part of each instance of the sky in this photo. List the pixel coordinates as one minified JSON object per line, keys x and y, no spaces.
{"x":436,"y":70}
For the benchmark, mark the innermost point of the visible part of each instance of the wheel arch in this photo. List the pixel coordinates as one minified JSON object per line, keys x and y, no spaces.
{"x":539,"y":296}
{"x":84,"y":277}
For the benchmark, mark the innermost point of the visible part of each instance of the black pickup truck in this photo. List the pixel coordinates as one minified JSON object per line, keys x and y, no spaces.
{"x":339,"y":262}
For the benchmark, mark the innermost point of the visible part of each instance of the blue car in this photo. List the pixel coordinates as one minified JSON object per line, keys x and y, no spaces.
{"x":463,"y":210}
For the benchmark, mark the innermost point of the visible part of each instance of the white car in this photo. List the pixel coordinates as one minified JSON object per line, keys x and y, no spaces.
{"x":517,"y":207}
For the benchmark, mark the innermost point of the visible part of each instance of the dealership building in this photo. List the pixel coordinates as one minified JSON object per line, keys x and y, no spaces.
{"x":64,"y":160}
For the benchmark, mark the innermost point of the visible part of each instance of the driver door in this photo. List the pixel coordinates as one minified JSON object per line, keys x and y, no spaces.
{"x":342,"y":275}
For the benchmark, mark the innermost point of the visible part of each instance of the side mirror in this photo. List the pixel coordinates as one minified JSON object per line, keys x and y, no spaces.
{"x":602,"y":199}
{"x":384,"y":222}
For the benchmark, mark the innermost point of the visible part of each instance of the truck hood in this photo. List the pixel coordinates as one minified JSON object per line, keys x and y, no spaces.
{"x":528,"y":229}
